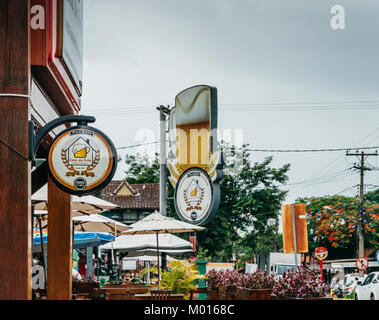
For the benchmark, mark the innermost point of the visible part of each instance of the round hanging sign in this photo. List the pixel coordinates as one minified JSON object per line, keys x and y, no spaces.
{"x":82,"y":160}
{"x":321,"y":253}
{"x":196,"y":197}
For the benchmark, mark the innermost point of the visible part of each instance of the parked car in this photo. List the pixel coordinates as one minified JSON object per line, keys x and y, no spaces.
{"x":369,"y":289}
{"x":350,"y":282}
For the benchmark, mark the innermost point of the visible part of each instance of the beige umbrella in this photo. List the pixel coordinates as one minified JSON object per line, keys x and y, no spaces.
{"x":157,"y":223}
{"x":85,"y":204}
{"x":98,"y":223}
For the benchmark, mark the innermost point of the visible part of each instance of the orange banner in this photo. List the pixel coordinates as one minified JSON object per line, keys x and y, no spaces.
{"x":300,"y":226}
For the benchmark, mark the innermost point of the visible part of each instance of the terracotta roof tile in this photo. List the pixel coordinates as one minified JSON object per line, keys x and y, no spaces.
{"x":148,"y":196}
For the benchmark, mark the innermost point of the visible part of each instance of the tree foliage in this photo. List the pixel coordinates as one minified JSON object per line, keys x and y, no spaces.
{"x":141,"y":169}
{"x":332,"y":222}
{"x":249,"y":197}
{"x":372,"y":196}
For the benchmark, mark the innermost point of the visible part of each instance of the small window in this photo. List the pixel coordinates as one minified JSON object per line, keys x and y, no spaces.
{"x":368,"y":279}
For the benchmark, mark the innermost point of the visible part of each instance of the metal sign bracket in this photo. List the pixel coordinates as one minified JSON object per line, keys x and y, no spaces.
{"x":35,"y":138}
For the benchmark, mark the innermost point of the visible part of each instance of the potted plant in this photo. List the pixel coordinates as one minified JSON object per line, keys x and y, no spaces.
{"x":213,"y":278}
{"x":227,"y":287}
{"x":181,"y":278}
{"x":301,"y":284}
{"x":259,"y":285}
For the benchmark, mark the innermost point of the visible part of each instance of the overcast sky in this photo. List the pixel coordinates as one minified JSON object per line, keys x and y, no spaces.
{"x":317,"y":87}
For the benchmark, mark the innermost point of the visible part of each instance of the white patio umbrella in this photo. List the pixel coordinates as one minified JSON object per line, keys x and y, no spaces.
{"x":147,"y":242}
{"x":157,"y":223}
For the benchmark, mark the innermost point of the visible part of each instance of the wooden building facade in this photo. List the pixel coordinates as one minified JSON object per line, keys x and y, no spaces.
{"x":40,"y":66}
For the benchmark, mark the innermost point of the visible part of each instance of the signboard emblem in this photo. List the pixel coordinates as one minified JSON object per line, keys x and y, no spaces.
{"x":195,"y":196}
{"x":82,"y":160}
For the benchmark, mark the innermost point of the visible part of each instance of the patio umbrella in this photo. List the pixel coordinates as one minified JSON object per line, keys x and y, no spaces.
{"x":157,"y":223}
{"x":85,"y":204}
{"x":152,"y":252}
{"x":81,"y":239}
{"x":147,"y":242}
{"x":99,"y":223}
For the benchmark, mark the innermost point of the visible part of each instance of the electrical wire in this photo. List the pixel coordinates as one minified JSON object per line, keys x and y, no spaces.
{"x":338,"y":162}
{"x":137,"y":145}
{"x":336,"y":174}
{"x":311,"y":150}
{"x":306,"y":186}
{"x":278,"y":106}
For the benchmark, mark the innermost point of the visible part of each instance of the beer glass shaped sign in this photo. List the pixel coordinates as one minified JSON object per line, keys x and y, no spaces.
{"x":194,"y":159}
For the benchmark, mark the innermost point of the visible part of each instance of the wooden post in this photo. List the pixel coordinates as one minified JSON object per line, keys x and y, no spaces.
{"x":15,"y":210}
{"x":59,"y":251}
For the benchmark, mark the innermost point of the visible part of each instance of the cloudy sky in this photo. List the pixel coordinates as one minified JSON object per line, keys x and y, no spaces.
{"x":283,"y":75}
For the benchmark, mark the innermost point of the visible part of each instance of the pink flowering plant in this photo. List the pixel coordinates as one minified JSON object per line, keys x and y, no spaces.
{"x":258,"y":280}
{"x":214,"y":276}
{"x":300,"y":283}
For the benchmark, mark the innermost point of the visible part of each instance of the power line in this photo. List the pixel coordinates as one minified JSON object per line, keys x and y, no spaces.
{"x":137,"y":145}
{"x":311,"y":150}
{"x":278,"y":106}
{"x":336,"y":161}
{"x":306,"y":186}
{"x":273,"y":150}
{"x":333,"y":175}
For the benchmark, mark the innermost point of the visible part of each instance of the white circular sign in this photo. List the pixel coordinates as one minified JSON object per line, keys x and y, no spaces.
{"x":194,"y":196}
{"x":82,"y":160}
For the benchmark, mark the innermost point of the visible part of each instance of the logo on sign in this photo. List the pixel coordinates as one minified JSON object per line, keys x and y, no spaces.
{"x":82,"y":160}
{"x":321,"y":253}
{"x":196,"y":201}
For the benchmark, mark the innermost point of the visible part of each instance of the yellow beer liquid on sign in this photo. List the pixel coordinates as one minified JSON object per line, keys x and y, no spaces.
{"x":193,"y":141}
{"x":194,"y":192}
{"x":81,"y":153}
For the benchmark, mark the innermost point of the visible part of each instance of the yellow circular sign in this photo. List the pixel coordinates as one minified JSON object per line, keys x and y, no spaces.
{"x":82,"y":160}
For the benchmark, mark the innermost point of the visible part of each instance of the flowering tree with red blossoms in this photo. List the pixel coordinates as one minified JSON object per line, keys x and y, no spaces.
{"x":333,"y":221}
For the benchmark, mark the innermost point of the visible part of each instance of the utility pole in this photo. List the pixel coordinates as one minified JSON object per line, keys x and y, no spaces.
{"x":362,"y":169}
{"x":162,"y":160}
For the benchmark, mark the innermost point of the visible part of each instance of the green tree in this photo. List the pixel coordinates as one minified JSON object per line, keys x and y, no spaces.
{"x":249,"y":197}
{"x":372,"y":196}
{"x":141,"y":169}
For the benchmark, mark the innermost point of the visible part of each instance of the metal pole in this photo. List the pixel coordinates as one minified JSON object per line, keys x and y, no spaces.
{"x":89,"y":256}
{"x":360,"y":217}
{"x":159,"y":280}
{"x":162,"y":156}
{"x":42,"y":248}
{"x":115,"y":235}
{"x":294,"y":233}
{"x":163,"y":178}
